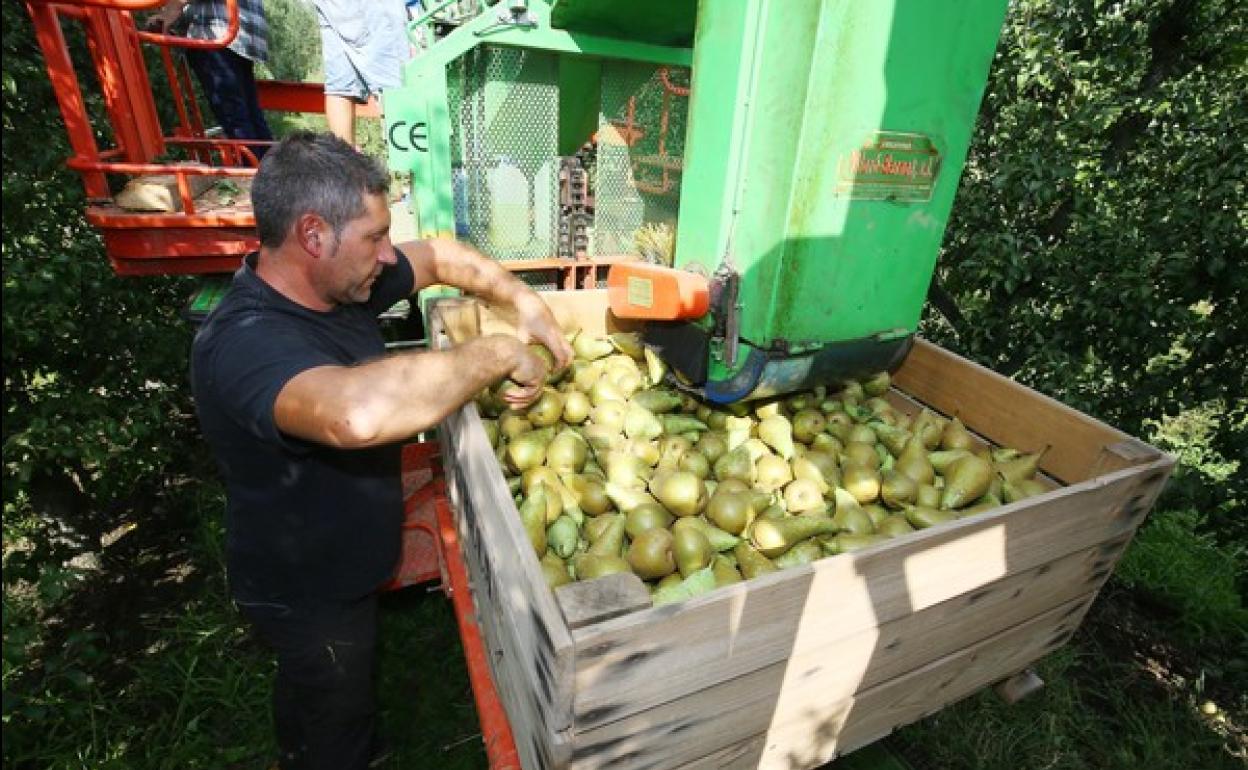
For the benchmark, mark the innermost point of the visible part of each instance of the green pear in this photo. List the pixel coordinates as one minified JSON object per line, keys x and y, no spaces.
{"x":547,"y":409}
{"x":576,"y":407}
{"x":650,"y":554}
{"x":956,"y":436}
{"x":691,"y":550}
{"x":928,"y":496}
{"x":894,"y":526}
{"x":567,"y":452}
{"x":777,"y":432}
{"x":588,"y":347}
{"x":860,"y":453}
{"x":562,"y":536}
{"x":861,"y":481}
{"x":682,"y":424}
{"x":591,"y":565}
{"x":628,"y":343}
{"x":966,"y":480}
{"x":680,"y":492}
{"x":554,"y":571}
{"x":897,"y":488}
{"x":646,"y":516}
{"x":941,"y":461}
{"x":512,"y":424}
{"x":850,"y":516}
{"x":772,"y":537}
{"x":772,"y":473}
{"x":894,"y":439}
{"x":533,"y":517}
{"x":609,"y":414}
{"x":929,"y":426}
{"x":589,"y":493}
{"x":922,"y":517}
{"x":641,"y":423}
{"x":730,"y":511}
{"x":736,"y":464}
{"x":719,"y":539}
{"x":1022,"y":467}
{"x":802,"y":495}
{"x":525,"y":451}
{"x":849,"y":542}
{"x":751,"y":562}
{"x":657,"y":400}
{"x":804,"y":468}
{"x":713,"y":445}
{"x":725,"y":572}
{"x":626,"y":499}
{"x":827,"y":443}
{"x":695,"y":463}
{"x":656,"y":370}
{"x":877,"y":384}
{"x":605,"y":390}
{"x":808,"y":423}
{"x":803,"y":553}
{"x":610,"y":537}
{"x":1014,"y":491}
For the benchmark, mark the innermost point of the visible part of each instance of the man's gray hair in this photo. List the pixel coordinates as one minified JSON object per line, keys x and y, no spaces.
{"x":309,"y":172}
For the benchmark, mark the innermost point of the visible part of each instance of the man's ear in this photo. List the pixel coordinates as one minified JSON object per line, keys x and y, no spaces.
{"x":312,"y":234}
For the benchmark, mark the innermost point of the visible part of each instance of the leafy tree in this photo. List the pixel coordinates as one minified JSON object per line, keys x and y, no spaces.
{"x":96,"y":408}
{"x":1098,"y":242}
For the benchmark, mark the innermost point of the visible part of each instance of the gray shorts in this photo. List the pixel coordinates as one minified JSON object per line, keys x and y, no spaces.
{"x":364,"y":45}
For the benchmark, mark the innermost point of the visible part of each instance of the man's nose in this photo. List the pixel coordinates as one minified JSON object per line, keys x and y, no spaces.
{"x":386,"y":254}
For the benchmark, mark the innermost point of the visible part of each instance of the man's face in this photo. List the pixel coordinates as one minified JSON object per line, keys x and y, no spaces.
{"x":356,"y":259}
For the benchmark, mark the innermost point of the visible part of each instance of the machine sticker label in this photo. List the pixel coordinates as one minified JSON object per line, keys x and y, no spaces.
{"x":889,"y":165}
{"x":640,"y":291}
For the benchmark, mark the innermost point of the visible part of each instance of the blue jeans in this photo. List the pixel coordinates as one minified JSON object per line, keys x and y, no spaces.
{"x":229,"y":83}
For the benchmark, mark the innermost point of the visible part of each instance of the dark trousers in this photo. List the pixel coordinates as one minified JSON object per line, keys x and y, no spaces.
{"x":229,"y":83}
{"x":324,"y":703}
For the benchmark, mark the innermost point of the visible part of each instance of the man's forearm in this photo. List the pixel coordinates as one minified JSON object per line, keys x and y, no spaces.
{"x":392,"y":398}
{"x":458,"y":265}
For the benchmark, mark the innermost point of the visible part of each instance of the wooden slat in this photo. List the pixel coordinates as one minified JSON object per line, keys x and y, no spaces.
{"x":532,"y":652}
{"x":1013,"y":415}
{"x":828,"y":728}
{"x":627,"y":665}
{"x":851,"y":664}
{"x":594,"y":601}
{"x":530,"y":643}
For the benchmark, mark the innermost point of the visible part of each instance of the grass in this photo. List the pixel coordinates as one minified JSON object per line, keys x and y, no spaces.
{"x":1098,"y":711}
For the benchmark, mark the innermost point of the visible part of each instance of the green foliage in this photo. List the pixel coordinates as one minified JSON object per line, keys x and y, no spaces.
{"x":294,"y":40}
{"x":1097,"y":245}
{"x":1172,"y":561}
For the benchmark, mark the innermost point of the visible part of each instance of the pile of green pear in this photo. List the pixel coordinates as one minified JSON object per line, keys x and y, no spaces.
{"x":612,"y":471}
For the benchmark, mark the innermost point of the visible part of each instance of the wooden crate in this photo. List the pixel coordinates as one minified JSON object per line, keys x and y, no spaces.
{"x":792,"y":669}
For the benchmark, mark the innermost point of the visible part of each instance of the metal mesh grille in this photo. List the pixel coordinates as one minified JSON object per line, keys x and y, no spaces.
{"x":641,"y":147}
{"x":505,"y":142}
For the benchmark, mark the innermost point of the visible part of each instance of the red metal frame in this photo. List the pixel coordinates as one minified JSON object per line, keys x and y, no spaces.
{"x":187,"y":241}
{"x":431,"y":552}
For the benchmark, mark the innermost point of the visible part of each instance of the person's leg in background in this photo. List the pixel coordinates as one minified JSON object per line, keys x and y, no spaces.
{"x":229,"y":83}
{"x":339,"y":21}
{"x":340,"y":114}
{"x":324,"y":696}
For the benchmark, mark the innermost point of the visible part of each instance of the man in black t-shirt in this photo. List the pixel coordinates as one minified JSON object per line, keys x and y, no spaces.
{"x":305,"y":413}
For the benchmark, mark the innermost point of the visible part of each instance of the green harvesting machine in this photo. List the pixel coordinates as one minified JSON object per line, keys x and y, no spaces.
{"x":764,"y":183}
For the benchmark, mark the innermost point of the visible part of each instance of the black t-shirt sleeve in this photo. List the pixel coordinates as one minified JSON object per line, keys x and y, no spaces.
{"x":248,"y":370}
